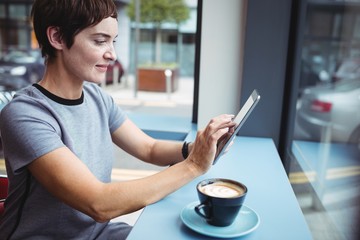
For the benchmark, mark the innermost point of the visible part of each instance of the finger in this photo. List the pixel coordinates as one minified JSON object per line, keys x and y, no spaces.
{"x":227,"y":128}
{"x":222,"y":121}
{"x":219,"y":133}
{"x":224,"y":118}
{"x":232,"y":130}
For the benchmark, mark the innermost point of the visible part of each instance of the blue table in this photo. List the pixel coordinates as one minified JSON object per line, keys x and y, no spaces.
{"x":253,"y":161}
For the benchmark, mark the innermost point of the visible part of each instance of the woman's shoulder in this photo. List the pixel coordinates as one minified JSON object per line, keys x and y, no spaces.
{"x":25,"y":100}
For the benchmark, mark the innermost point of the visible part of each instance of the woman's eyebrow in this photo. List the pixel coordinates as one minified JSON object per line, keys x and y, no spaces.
{"x":103,"y":35}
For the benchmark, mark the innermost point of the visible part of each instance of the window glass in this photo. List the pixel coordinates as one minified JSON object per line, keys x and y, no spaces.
{"x":145,"y":91}
{"x":325,"y":166}
{"x":2,"y":11}
{"x":17,"y":11}
{"x":153,"y":49}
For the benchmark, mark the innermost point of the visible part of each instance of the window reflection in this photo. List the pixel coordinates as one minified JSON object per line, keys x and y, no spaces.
{"x":325,"y":170}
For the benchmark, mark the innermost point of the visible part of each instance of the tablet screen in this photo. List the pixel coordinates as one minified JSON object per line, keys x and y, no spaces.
{"x":239,"y":120}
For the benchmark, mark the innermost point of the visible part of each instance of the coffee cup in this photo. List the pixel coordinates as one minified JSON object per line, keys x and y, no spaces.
{"x":220,"y":200}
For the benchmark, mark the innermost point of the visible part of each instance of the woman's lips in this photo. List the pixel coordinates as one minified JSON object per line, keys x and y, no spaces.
{"x":102,"y":68}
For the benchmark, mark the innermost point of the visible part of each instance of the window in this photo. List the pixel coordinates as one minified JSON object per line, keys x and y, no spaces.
{"x":18,"y":11}
{"x":325,"y":149}
{"x":2,"y":11}
{"x":164,"y":103}
{"x":176,"y":51}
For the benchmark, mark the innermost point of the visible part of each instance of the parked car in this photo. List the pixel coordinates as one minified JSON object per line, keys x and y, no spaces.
{"x":21,"y":68}
{"x":348,"y":69}
{"x":334,"y":108}
{"x":115,"y":69}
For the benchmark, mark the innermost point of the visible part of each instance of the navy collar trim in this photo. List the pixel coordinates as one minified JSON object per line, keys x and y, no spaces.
{"x":60,"y":100}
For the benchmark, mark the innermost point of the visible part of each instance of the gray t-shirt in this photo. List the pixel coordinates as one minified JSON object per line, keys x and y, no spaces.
{"x":37,"y":122}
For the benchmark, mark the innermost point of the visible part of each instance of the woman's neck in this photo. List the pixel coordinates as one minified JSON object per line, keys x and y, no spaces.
{"x":60,"y":83}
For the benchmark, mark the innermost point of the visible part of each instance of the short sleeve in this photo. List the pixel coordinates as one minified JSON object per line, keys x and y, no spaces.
{"x":28,"y":130}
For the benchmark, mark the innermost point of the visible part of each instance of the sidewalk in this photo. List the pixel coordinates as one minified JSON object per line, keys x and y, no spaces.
{"x":178,"y":103}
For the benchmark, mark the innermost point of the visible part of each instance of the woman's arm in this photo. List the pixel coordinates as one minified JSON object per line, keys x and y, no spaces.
{"x":134,"y":141}
{"x":68,"y":179}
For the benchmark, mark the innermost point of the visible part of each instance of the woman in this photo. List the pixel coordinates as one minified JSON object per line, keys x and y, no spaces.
{"x":58,"y":136}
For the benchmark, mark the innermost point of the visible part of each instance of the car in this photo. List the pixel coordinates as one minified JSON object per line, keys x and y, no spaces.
{"x":115,"y":69}
{"x":5,"y":97}
{"x":20,"y":68}
{"x":348,"y":69}
{"x":331,"y":112}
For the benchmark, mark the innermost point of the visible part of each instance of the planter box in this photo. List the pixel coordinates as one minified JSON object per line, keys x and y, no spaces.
{"x":154,"y":79}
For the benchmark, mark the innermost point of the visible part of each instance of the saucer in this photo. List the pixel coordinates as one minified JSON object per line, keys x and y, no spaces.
{"x":246,"y":221}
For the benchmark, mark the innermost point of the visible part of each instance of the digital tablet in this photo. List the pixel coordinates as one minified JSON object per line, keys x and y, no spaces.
{"x":239,"y":120}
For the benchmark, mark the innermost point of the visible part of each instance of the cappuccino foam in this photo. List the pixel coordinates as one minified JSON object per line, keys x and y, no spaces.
{"x":222,"y":189}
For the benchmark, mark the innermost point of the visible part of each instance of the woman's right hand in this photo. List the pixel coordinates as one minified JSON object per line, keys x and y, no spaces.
{"x":204,"y":148}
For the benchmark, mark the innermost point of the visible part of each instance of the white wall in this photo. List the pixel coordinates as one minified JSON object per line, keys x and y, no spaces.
{"x":221,"y":58}
{"x":122,"y":45}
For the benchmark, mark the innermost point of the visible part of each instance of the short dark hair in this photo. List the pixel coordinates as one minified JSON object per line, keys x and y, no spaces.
{"x":70,"y":16}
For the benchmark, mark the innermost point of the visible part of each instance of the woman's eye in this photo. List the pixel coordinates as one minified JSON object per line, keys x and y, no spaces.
{"x":100,"y":42}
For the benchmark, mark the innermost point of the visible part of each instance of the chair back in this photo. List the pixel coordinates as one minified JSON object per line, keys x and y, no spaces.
{"x":3,"y":191}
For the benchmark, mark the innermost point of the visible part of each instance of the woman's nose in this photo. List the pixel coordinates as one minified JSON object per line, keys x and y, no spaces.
{"x":111,"y":54}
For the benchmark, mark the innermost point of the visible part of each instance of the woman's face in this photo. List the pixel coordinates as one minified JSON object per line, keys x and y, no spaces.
{"x":92,"y":51}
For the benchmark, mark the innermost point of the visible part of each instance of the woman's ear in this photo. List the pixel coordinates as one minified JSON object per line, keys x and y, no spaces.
{"x":54,"y":37}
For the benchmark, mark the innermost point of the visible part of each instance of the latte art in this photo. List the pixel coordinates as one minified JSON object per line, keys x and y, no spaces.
{"x":222,"y":189}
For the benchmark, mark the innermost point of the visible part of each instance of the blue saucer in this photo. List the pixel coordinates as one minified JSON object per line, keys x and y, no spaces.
{"x":246,"y":222}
